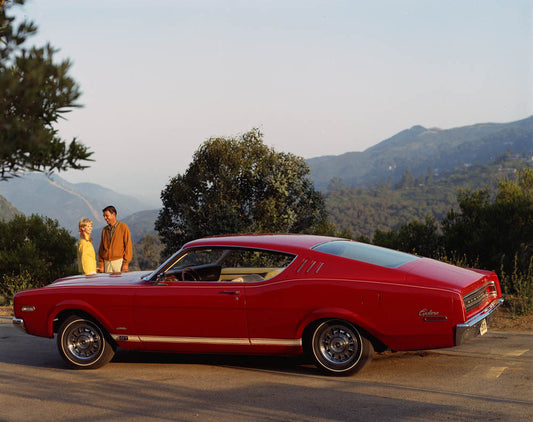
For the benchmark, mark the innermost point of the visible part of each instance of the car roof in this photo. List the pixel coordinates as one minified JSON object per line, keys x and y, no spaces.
{"x":286,"y":242}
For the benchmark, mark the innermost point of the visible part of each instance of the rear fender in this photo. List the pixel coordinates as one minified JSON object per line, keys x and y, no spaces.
{"x":335,"y":313}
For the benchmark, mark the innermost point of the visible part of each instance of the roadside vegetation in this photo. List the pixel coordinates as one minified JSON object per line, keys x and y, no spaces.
{"x":34,"y":251}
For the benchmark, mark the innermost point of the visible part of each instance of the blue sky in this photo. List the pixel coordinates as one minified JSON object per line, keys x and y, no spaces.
{"x":159,"y":77}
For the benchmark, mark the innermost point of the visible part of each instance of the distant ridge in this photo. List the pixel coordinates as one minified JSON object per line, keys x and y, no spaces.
{"x":7,"y":210}
{"x":54,"y":197}
{"x":418,"y":149}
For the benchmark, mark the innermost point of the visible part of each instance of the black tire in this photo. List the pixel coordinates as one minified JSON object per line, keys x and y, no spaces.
{"x":83,"y":344}
{"x":338,"y":348}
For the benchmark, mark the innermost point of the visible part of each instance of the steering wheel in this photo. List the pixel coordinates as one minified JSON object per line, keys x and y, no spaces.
{"x":191,"y":273}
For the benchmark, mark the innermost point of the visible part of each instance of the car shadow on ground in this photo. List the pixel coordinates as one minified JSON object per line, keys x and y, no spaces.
{"x":296,"y":365}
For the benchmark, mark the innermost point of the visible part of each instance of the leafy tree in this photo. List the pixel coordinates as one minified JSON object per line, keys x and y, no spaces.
{"x":146,"y":253}
{"x":236,"y":185}
{"x":413,"y":237}
{"x":494,"y":230}
{"x":36,"y":92}
{"x":36,"y":246}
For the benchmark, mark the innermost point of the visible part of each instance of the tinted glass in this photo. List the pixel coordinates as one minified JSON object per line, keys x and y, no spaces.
{"x":366,"y":253}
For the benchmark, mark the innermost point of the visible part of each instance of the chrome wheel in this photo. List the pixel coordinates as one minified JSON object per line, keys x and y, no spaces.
{"x":83,"y":344}
{"x":338,"y":347}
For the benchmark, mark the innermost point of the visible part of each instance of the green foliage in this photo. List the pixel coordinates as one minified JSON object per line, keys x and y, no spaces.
{"x":236,"y":185}
{"x":35,"y":251}
{"x":36,"y":92}
{"x":146,"y":254}
{"x":414,"y":237}
{"x":13,"y":283}
{"x":362,"y":211}
{"x":494,"y":229}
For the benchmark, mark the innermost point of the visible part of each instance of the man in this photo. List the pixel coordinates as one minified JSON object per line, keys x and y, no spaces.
{"x":115,"y":250}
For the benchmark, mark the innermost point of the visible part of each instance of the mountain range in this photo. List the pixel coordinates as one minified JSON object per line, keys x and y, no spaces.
{"x":54,"y":197}
{"x":418,"y":150}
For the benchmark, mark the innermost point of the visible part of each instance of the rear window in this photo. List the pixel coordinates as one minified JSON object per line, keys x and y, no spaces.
{"x":366,"y":253}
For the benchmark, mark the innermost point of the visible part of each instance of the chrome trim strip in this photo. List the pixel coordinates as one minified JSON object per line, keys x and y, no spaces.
{"x":276,"y":342}
{"x":196,"y":340}
{"x":301,"y":265}
{"x":209,"y":340}
{"x":471,"y":327}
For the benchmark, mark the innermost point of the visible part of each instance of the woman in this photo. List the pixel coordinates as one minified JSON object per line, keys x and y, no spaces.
{"x":86,"y":255}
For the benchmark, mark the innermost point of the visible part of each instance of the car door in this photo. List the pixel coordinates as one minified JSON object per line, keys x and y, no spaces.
{"x":191,"y":316}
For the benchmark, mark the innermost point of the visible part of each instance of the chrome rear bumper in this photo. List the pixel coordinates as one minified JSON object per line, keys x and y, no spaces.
{"x":477,"y":325}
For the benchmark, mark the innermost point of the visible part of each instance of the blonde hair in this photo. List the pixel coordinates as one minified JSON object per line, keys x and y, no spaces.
{"x":84,"y":222}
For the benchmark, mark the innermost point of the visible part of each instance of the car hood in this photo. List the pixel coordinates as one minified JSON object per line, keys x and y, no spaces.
{"x":433,"y":273}
{"x":130,"y":278}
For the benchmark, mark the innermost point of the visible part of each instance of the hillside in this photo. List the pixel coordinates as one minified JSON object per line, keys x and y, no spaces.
{"x":54,"y":197}
{"x":362,"y":211}
{"x":7,"y":210}
{"x":419,"y":149}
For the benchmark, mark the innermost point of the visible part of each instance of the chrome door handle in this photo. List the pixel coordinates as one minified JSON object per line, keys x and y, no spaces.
{"x":229,"y":292}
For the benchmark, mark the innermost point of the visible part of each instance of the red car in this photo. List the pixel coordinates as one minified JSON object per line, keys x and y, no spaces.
{"x":336,"y":300}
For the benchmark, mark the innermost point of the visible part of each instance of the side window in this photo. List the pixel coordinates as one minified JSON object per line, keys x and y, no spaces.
{"x":252,"y":265}
{"x":228,"y":264}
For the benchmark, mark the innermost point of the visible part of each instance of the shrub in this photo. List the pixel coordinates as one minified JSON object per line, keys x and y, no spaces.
{"x":518,"y":288}
{"x":13,"y":283}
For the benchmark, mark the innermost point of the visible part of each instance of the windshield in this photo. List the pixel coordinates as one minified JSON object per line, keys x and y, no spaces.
{"x":366,"y":253}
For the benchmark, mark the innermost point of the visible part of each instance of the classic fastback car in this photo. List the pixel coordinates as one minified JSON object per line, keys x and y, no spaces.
{"x":336,"y":300}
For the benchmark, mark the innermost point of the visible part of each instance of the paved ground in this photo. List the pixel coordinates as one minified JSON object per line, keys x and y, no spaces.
{"x":488,"y":379}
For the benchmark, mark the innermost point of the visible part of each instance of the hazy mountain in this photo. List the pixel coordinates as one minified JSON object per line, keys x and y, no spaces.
{"x":54,"y":197}
{"x":7,"y":210}
{"x":141,"y":223}
{"x":419,"y":149}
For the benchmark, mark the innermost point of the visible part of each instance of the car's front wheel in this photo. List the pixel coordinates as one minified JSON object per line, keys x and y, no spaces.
{"x":338,"y":348}
{"x":83,"y":344}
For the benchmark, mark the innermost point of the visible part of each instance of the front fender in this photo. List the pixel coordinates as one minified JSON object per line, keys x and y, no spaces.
{"x":76,"y":305}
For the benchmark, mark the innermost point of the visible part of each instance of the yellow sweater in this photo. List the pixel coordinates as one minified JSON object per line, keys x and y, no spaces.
{"x":86,"y":256}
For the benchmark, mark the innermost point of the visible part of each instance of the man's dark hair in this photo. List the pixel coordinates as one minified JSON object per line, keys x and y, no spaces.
{"x":111,"y":209}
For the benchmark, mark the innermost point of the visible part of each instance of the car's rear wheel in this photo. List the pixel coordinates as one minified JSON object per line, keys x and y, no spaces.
{"x":83,"y":344}
{"x":338,"y":348}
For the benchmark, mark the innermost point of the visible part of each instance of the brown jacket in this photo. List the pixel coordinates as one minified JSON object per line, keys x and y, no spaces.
{"x":119,"y":246}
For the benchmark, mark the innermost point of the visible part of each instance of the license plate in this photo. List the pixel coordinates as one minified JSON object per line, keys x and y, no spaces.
{"x":483,"y":327}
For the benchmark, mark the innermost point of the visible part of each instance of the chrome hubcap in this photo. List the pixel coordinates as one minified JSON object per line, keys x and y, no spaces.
{"x":338,"y":344}
{"x":84,"y":342}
